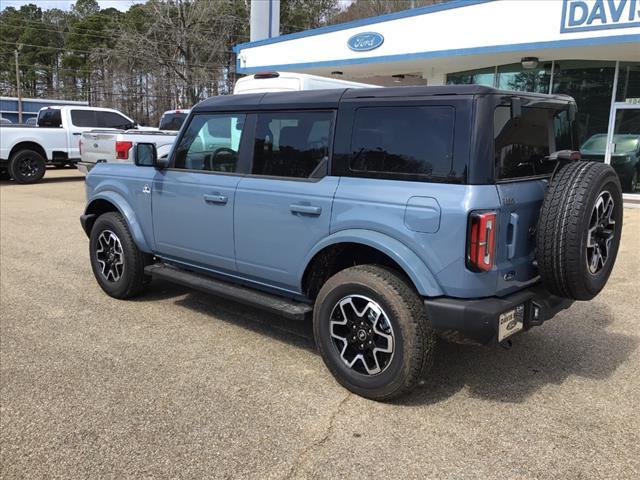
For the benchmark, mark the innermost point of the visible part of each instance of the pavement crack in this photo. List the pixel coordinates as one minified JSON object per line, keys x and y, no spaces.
{"x":319,"y":442}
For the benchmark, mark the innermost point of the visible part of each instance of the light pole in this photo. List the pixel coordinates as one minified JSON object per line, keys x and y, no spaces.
{"x":18,"y":86}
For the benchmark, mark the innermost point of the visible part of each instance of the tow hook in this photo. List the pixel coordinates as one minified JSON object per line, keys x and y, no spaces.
{"x":506,"y":344}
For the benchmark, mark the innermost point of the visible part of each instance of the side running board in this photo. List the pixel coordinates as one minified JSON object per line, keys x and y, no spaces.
{"x":266,"y":301}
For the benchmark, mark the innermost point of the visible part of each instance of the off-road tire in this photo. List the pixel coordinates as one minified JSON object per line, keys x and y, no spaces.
{"x":27,"y":166}
{"x":132,"y":281}
{"x":415,"y":339}
{"x":563,"y":229}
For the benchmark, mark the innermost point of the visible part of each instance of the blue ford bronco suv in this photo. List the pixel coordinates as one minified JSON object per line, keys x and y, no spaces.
{"x":391,"y":216}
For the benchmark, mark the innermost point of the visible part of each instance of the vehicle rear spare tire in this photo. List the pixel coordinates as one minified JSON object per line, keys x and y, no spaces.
{"x":579,"y":230}
{"x":27,"y":166}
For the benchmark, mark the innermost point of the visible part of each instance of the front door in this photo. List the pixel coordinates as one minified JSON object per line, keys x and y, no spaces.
{"x":193,"y":199}
{"x":284,"y":208}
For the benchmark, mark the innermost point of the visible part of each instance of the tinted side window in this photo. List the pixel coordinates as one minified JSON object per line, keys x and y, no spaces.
{"x":292,"y":144}
{"x":403,"y":141}
{"x":112,"y":120}
{"x":84,"y":118}
{"x":521,"y":144}
{"x":50,"y":118}
{"x":211,"y":143}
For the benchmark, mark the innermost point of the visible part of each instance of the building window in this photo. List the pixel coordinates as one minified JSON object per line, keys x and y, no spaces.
{"x":590,"y":83}
{"x":628,"y":83}
{"x":514,"y":77}
{"x":483,"y":76}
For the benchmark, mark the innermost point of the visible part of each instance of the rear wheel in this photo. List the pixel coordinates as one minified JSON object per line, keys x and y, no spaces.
{"x":579,"y":230}
{"x":117,"y":263}
{"x":27,"y":166}
{"x":371,"y":330}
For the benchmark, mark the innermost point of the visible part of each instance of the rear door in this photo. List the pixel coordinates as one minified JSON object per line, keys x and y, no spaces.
{"x":522,"y":176}
{"x":193,"y":200}
{"x":284,"y":207}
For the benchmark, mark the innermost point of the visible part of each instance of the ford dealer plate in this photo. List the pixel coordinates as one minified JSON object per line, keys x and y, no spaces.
{"x":510,"y":322}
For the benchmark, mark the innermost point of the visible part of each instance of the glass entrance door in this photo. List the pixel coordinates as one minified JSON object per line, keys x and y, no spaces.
{"x":623,"y":145}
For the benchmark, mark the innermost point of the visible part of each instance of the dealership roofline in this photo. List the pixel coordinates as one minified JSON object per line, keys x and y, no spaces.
{"x":413,"y":12}
{"x":576,"y":42}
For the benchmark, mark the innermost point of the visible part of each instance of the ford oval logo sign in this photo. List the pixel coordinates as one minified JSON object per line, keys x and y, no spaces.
{"x":363,"y":42}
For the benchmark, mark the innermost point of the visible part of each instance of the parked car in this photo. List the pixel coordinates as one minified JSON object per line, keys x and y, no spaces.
{"x":173,"y":119}
{"x":5,"y":121}
{"x":25,"y":150}
{"x":33,"y":121}
{"x":288,"y":82}
{"x":625,"y":157}
{"x":98,"y":146}
{"x":391,"y":216}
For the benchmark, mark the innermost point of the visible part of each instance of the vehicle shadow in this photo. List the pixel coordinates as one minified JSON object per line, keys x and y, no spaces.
{"x":294,"y":332}
{"x":576,"y":342}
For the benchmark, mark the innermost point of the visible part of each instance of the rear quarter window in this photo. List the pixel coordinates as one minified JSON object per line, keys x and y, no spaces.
{"x":521,"y":144}
{"x":408,"y":142}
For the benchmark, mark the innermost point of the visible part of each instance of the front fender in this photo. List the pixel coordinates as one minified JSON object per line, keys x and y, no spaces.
{"x":127,"y":212}
{"x":413,"y":266}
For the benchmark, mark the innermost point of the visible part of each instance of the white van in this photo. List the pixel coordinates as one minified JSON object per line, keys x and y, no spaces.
{"x":289,"y":82}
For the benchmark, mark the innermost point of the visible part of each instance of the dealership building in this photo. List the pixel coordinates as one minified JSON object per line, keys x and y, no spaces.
{"x":589,"y":49}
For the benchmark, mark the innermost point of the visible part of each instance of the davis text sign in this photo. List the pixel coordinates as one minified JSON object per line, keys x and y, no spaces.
{"x":583,"y":15}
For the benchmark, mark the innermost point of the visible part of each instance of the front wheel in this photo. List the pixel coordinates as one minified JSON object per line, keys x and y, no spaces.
{"x":371,"y":330}
{"x":117,"y":263}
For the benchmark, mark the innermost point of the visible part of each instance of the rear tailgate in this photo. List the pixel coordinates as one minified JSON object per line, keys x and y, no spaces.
{"x":98,"y":146}
{"x":520,"y":207}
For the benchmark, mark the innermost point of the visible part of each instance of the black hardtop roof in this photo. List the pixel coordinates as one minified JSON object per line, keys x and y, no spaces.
{"x":331,"y":98}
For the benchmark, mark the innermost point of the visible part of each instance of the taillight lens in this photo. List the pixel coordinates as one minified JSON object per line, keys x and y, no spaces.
{"x":481,"y":241}
{"x":80,"y":146}
{"x":122,"y":150}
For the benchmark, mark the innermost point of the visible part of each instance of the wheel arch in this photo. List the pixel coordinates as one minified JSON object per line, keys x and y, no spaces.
{"x":350,"y":247}
{"x":27,"y":145}
{"x":114,"y":202}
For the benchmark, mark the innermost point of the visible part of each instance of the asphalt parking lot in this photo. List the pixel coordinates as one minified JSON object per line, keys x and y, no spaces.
{"x":177,"y":384}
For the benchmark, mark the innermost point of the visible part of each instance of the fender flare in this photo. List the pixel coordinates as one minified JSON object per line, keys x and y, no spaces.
{"x":413,"y":266}
{"x":127,"y":212}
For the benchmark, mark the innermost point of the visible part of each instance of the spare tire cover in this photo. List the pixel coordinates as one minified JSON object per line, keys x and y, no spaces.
{"x":579,"y":230}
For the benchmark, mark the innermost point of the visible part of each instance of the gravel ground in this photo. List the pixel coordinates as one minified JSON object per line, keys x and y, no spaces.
{"x":177,"y":384}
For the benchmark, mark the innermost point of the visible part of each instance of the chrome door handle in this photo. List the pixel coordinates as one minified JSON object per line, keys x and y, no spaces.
{"x":216,"y":198}
{"x":305,"y":209}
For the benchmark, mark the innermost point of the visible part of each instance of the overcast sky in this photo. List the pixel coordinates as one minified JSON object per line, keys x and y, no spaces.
{"x":66,"y":4}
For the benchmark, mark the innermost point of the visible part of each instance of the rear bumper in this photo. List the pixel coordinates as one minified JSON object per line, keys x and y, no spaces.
{"x":84,"y":167}
{"x":478,"y":319}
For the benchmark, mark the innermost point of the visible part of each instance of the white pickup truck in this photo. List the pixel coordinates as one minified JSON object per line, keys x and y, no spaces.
{"x":97,"y":146}
{"x":25,"y":150}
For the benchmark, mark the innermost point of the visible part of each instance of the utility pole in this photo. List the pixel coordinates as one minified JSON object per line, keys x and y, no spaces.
{"x":18,"y":88}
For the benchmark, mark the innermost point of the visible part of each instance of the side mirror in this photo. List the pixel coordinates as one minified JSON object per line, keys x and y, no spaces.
{"x":146,"y":154}
{"x":516,"y":107}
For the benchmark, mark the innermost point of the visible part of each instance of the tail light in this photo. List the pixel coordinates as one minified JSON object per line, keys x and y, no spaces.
{"x":80,"y":146}
{"x":122,"y":150}
{"x":481,"y":241}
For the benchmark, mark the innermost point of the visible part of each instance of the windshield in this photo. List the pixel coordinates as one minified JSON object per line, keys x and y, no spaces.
{"x":598,"y":143}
